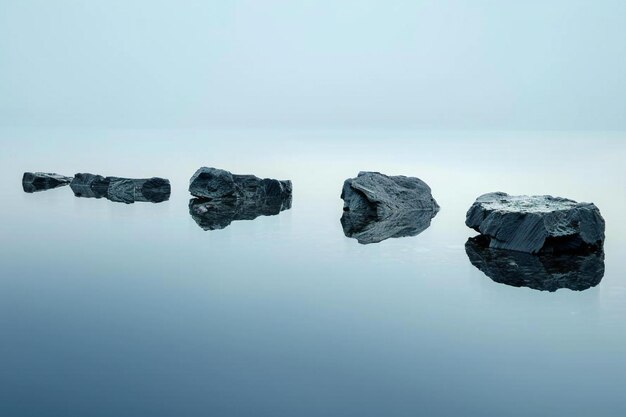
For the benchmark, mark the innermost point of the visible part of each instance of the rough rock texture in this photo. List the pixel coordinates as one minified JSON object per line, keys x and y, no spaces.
{"x":213,"y":183}
{"x":540,"y":272}
{"x":41,"y":181}
{"x":216,"y":214}
{"x":536,"y":224}
{"x":371,"y":229}
{"x":90,"y":185}
{"x":121,"y":190}
{"x":378,"y":207}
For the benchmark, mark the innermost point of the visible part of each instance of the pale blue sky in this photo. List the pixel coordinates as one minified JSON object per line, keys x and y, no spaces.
{"x":550,"y":64}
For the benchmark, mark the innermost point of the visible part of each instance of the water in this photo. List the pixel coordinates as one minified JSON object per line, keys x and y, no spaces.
{"x":134,"y":310}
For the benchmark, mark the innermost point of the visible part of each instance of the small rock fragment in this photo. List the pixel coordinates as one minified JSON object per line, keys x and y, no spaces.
{"x":41,"y":181}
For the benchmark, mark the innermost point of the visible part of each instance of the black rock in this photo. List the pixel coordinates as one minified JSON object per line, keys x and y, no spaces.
{"x":213,"y":183}
{"x":90,"y":185}
{"x":379,"y":207}
{"x":537,"y":224}
{"x":121,"y":190}
{"x":545,"y":272}
{"x":214,"y":214}
{"x":41,"y":181}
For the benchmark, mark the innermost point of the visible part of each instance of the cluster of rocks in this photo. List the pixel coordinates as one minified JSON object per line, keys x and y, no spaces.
{"x":121,"y":190}
{"x":540,"y":242}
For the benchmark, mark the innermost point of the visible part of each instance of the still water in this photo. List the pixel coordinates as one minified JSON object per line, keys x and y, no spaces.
{"x":112,"y":309}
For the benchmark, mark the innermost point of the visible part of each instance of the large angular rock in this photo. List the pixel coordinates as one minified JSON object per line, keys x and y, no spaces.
{"x":378,"y":207}
{"x":41,"y":181}
{"x":121,"y":190}
{"x":214,"y":214}
{"x":545,"y":272}
{"x":213,"y":183}
{"x":536,"y":224}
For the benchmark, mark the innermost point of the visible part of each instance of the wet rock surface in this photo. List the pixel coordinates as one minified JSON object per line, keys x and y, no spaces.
{"x":544,"y":272}
{"x":537,"y":224}
{"x":379,"y":207}
{"x":121,"y":190}
{"x":215,"y":214}
{"x":213,"y":183}
{"x":41,"y":181}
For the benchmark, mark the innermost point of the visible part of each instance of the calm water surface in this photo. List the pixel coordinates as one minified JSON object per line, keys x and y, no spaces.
{"x":108,"y":309}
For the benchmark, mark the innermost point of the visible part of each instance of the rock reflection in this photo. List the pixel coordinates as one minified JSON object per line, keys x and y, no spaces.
{"x":577,"y":272}
{"x":367,"y":227}
{"x":215,"y":214}
{"x":121,"y":190}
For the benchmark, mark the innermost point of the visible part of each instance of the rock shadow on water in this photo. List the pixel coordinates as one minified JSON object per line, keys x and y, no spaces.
{"x":121,"y":190}
{"x":543,"y":272}
{"x":369,"y":228}
{"x":216,"y":214}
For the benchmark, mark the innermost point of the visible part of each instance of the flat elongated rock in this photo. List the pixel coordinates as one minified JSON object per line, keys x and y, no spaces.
{"x":121,"y":190}
{"x":544,"y":272}
{"x":536,"y":224}
{"x":41,"y":181}
{"x":379,"y":207}
{"x":213,"y":183}
{"x":216,"y":214}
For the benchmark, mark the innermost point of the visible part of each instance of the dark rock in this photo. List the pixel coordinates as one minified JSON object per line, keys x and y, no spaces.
{"x":41,"y":181}
{"x":213,"y":183}
{"x":545,"y":272}
{"x":378,"y":207}
{"x":121,"y":190}
{"x":216,"y":214}
{"x":90,"y":185}
{"x":537,"y":224}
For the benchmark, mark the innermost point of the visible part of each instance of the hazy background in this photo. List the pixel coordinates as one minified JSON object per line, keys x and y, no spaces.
{"x":557,"y":64}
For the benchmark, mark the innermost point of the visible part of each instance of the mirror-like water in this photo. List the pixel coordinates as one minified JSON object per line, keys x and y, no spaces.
{"x":132,"y":309}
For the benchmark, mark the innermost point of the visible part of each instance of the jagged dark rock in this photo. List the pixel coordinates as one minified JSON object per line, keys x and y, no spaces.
{"x":379,"y":207}
{"x":90,"y":185}
{"x":41,"y":181}
{"x":545,"y":272}
{"x":537,"y":224}
{"x":121,"y":190}
{"x":213,"y":183}
{"x":216,"y":214}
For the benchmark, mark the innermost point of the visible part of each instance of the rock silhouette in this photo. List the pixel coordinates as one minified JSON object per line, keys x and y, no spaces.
{"x":379,"y":207}
{"x":536,"y":224}
{"x":121,"y":190}
{"x":544,"y":272}
{"x":40,"y":181}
